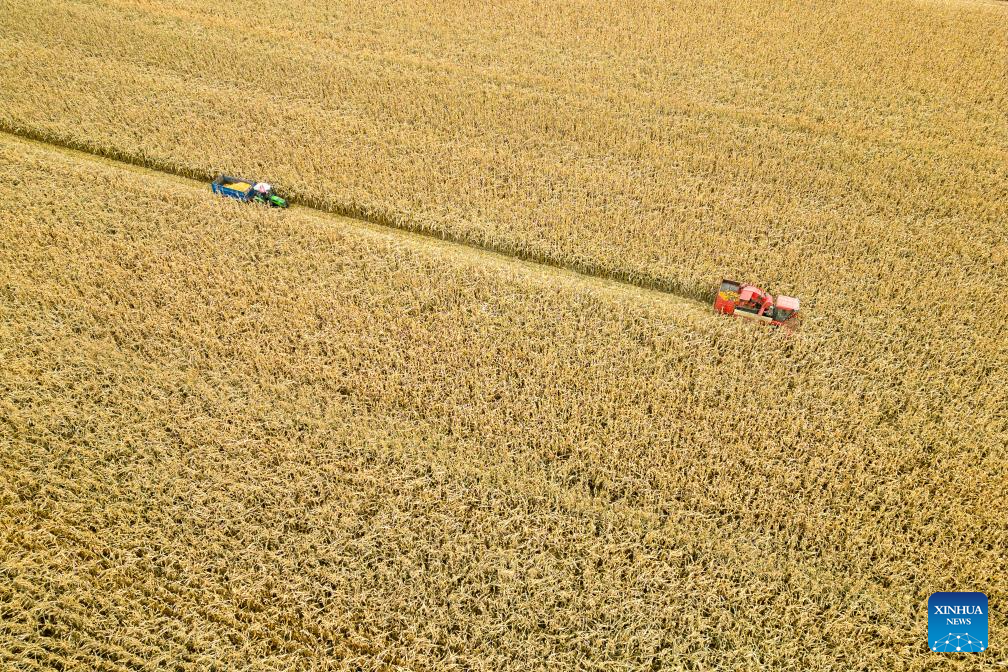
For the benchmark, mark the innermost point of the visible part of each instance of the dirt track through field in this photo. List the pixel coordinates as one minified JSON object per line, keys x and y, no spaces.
{"x":352,"y":216}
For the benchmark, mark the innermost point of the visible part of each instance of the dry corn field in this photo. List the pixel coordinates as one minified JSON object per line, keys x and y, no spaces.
{"x":241,"y":438}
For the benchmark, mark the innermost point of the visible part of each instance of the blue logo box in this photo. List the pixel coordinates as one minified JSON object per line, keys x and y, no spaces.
{"x":958,"y":622}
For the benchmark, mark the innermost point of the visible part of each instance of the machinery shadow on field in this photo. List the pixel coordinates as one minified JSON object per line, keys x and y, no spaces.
{"x":401,"y":222}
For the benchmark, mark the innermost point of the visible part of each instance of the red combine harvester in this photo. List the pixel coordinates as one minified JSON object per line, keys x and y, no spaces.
{"x":750,"y":301}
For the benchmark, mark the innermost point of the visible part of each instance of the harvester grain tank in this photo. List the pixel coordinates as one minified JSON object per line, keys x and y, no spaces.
{"x":751,"y":302}
{"x":245,"y":190}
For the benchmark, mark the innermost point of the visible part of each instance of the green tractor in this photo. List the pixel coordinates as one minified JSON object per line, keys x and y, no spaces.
{"x":247,"y":190}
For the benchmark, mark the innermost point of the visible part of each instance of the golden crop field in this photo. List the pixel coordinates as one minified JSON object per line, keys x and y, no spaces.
{"x":776,"y":140}
{"x":239,"y":438}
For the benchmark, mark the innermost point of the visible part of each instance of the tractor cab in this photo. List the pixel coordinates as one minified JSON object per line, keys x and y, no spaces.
{"x":262,"y":192}
{"x":785,"y":309}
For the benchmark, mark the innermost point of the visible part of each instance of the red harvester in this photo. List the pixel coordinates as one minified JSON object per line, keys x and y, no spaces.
{"x":750,"y":301}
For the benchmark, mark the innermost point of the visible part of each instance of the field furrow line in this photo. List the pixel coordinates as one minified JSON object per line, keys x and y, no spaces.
{"x":691,"y":297}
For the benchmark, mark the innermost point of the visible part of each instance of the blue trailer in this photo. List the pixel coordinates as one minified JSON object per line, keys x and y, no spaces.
{"x":249,"y":191}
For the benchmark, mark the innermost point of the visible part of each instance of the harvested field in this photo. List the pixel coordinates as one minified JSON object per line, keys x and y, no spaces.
{"x":236,"y":438}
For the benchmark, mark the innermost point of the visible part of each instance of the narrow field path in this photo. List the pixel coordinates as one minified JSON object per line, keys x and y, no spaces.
{"x":197,"y":179}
